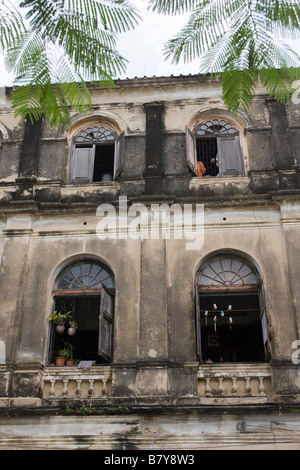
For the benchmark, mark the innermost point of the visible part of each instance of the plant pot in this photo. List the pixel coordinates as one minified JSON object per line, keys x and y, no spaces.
{"x":60,"y":361}
{"x":71,"y":331}
{"x":60,"y":329}
{"x":69,"y":362}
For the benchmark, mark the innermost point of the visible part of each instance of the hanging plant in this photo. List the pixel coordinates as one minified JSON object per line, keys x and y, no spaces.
{"x":72,"y":327}
{"x":59,"y":319}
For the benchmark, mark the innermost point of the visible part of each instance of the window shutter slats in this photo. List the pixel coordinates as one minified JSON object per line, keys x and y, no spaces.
{"x":119,"y":155}
{"x":83,"y":164}
{"x":198,"y":326}
{"x":229,"y":155}
{"x":191,"y":153}
{"x":106,"y":318}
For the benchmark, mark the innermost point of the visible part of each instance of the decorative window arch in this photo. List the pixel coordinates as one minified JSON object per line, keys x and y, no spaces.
{"x":230,"y":311}
{"x":213,"y":149}
{"x":97,"y":154}
{"x":84,"y":276}
{"x":227,"y":272}
{"x":85,"y":291}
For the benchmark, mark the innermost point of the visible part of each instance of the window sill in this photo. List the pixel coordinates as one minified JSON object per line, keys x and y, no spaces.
{"x":93,"y":184}
{"x":215,"y":180}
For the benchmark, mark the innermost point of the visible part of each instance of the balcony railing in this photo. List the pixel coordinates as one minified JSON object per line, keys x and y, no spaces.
{"x":74,"y":383}
{"x":234,"y":381}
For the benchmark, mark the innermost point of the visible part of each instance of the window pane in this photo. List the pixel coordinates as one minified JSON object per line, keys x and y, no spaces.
{"x":84,"y":276}
{"x":227,"y":272}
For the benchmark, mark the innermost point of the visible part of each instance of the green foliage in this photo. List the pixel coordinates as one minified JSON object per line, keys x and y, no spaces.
{"x":64,"y":353}
{"x":11,"y":24}
{"x":236,"y":39}
{"x":60,"y":318}
{"x":62,"y":44}
{"x":66,"y":43}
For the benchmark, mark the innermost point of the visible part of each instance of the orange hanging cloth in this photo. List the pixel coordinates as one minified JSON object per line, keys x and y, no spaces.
{"x":201,"y":170}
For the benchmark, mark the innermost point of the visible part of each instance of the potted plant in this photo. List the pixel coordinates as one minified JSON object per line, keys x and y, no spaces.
{"x":72,"y":327}
{"x":69,"y":360}
{"x":59,"y":319}
{"x":63,"y":354}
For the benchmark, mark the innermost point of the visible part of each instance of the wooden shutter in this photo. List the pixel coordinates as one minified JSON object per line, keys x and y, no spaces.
{"x":106,"y":325}
{"x":119,"y":155}
{"x":230,"y":156}
{"x":198,"y":325}
{"x":191,"y":152}
{"x":83,"y":164}
{"x":264,"y":324}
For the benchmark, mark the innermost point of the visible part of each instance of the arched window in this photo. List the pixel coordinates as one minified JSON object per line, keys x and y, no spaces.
{"x":230,"y":312}
{"x":97,"y":155}
{"x":214,"y":149}
{"x":85,"y":291}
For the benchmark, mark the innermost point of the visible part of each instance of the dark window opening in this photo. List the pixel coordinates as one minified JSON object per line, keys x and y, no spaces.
{"x":231,"y":327}
{"x":84,"y":343}
{"x":217,"y":151}
{"x":104,"y":163}
{"x":207,"y":153}
{"x":97,"y":155}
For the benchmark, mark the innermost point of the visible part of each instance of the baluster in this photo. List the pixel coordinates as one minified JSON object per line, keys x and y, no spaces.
{"x":221,"y":388}
{"x":104,"y":389}
{"x":248,"y":386}
{"x":78,"y":389}
{"x":261,"y":387}
{"x":91,"y":389}
{"x":207,"y":387}
{"x":52,"y":388}
{"x":65,"y":389}
{"x":234,"y":387}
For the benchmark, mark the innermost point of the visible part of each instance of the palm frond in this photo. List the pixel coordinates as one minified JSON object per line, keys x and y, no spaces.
{"x":173,"y":7}
{"x":114,"y":15}
{"x":11,"y":24}
{"x":279,"y":82}
{"x":69,"y":41}
{"x":238,"y":88}
{"x":237,"y":39}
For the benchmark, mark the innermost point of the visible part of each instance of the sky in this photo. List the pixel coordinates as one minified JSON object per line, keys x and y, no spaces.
{"x":143,"y":47}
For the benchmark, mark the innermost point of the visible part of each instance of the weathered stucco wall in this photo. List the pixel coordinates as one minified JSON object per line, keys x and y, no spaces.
{"x":45,"y":222}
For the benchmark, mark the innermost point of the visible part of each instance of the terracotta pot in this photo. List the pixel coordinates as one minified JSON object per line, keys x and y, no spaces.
{"x":60,"y":361}
{"x":69,"y":362}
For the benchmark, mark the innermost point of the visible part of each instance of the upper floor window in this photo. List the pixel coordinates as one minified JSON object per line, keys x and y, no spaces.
{"x":97,"y":155}
{"x":214,"y":149}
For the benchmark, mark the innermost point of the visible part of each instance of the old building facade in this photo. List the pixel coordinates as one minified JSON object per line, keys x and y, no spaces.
{"x":205,"y":316}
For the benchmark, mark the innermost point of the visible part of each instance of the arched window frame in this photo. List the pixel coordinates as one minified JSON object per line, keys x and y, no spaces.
{"x":95,"y":280}
{"x":224,"y":137}
{"x":221,"y":283}
{"x":95,"y":146}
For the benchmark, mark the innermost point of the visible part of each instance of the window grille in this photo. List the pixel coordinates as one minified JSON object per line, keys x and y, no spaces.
{"x":227,"y":272}
{"x":216,"y":127}
{"x":84,"y":275}
{"x":95,"y":134}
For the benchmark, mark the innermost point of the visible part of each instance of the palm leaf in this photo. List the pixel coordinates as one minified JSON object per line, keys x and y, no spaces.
{"x":69,"y":41}
{"x":173,"y":7}
{"x":11,"y":24}
{"x":237,"y":39}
